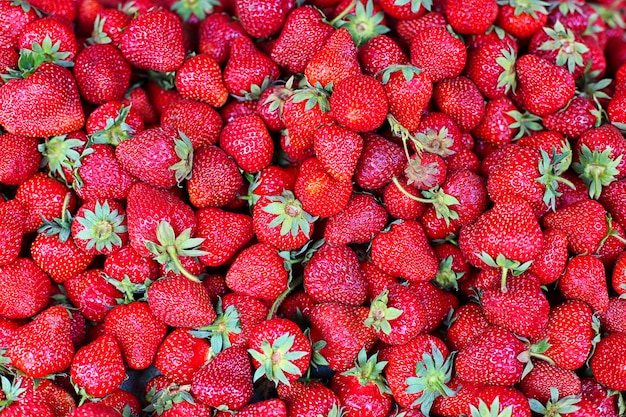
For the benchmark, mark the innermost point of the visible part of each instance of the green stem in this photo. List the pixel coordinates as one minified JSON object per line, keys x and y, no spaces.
{"x":542,"y":357}
{"x":171,"y":250}
{"x":408,"y":194}
{"x":66,"y":202}
{"x":296,"y":282}
{"x":344,"y":13}
{"x":505,"y":272}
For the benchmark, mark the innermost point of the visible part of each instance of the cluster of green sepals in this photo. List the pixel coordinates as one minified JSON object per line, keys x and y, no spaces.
{"x":102,"y":227}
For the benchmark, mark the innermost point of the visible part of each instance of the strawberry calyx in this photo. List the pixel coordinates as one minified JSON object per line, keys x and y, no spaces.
{"x":621,"y":403}
{"x":432,"y":375}
{"x":314,"y":96}
{"x":368,"y":370}
{"x":438,"y":198}
{"x":59,"y":153}
{"x":98,"y":35}
{"x":569,"y":49}
{"x":59,"y":226}
{"x":102,"y":227}
{"x":403,"y":133}
{"x":551,"y":168}
{"x":198,"y":8}
{"x":172,"y":247}
{"x":380,"y":313}
{"x":415,"y":4}
{"x":219,"y":331}
{"x":363,"y":23}
{"x":335,"y":411}
{"x":420,"y":174}
{"x":556,"y":407}
{"x":506,"y":265}
{"x":131,"y":291}
{"x":27,"y":7}
{"x":317,"y":359}
{"x":31,"y":59}
{"x":590,"y":87}
{"x":184,"y":150}
{"x":612,"y":232}
{"x":608,"y":14}
{"x":276,"y":360}
{"x":11,"y":391}
{"x":255,"y":91}
{"x":276,"y":100}
{"x":165,"y":80}
{"x":566,"y":7}
{"x":533,"y":351}
{"x":493,"y":410}
{"x":408,"y":71}
{"x":290,"y":215}
{"x":597,"y":169}
{"x":529,"y":7}
{"x":116,"y":129}
{"x":446,"y":277}
{"x":433,"y":141}
{"x":163,"y":400}
{"x":81,"y":392}
{"x":508,"y":78}
{"x":526,"y":122}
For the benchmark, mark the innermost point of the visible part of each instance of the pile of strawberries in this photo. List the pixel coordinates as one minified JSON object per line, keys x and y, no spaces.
{"x":320,"y":208}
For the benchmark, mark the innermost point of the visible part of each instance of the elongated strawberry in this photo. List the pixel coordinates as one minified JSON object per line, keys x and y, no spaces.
{"x":21,"y":158}
{"x":335,"y":61}
{"x":585,"y":280}
{"x":200,"y":78}
{"x":215,"y":179}
{"x":338,"y":149}
{"x":26,"y":289}
{"x":247,"y":67}
{"x":408,"y":91}
{"x":361,"y":219}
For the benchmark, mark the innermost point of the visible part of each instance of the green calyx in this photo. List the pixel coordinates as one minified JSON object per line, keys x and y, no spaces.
{"x":289,"y":215}
{"x":506,"y":265}
{"x":432,"y":375}
{"x":556,"y":407}
{"x":551,"y":168}
{"x":526,"y":122}
{"x":131,"y":291}
{"x":98,"y":35}
{"x":102,"y":227}
{"x":597,"y":169}
{"x":58,"y":153}
{"x":59,"y":226}
{"x":31,"y":59}
{"x":437,"y":142}
{"x":276,"y":360}
{"x":12,"y":390}
{"x":27,"y":7}
{"x":529,"y":7}
{"x":226,"y":323}
{"x":446,"y":277}
{"x":364,"y":23}
{"x":438,"y":198}
{"x":116,"y":129}
{"x":368,"y":370}
{"x":484,"y":410}
{"x":184,"y":150}
{"x":165,"y":80}
{"x":533,"y":351}
{"x":255,"y":91}
{"x":408,"y":72}
{"x":335,"y":411}
{"x":314,"y":96}
{"x":380,"y":314}
{"x":198,"y":8}
{"x":166,"y":398}
{"x":276,"y":99}
{"x":172,"y":247}
{"x":564,"y":41}
{"x":423,"y":175}
{"x":415,"y":4}
{"x":317,"y":359}
{"x":508,"y":78}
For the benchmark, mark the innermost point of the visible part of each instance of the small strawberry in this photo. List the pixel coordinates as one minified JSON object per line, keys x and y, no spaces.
{"x":126,"y":262}
{"x":338,"y":150}
{"x":460,"y":99}
{"x":408,"y":91}
{"x":438,"y":53}
{"x":200,"y":78}
{"x":321,"y":194}
{"x":358,"y":222}
{"x":215,"y":178}
{"x":400,"y":199}
{"x":544,"y":377}
{"x":359,"y":103}
{"x":224,"y":234}
{"x":180,"y":355}
{"x":522,"y":19}
{"x":112,"y":123}
{"x":585,"y":280}
{"x":406,"y":10}
{"x":26,"y":289}
{"x":216,"y":33}
{"x":380,"y":161}
{"x":247,"y":67}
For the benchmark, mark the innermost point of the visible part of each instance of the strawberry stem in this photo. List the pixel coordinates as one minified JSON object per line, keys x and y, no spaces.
{"x":171,"y":250}
{"x":295,"y":283}
{"x":343,"y":13}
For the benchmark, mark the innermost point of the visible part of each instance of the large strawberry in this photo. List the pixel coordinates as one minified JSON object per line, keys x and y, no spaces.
{"x":180,"y":355}
{"x":335,"y":61}
{"x":262,"y":19}
{"x":438,"y":53}
{"x":361,"y":219}
{"x":26,"y":289}
{"x":200,"y":78}
{"x":408,"y":91}
{"x":215,"y":178}
{"x":359,"y":102}
{"x":585,"y":280}
{"x":224,"y":234}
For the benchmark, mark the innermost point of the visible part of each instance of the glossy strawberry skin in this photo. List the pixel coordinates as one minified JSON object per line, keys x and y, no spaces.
{"x":98,"y":368}
{"x":585,"y":280}
{"x":359,"y":102}
{"x":361,"y":219}
{"x":607,"y":361}
{"x":26,"y":289}
{"x":20,"y":158}
{"x":181,"y":355}
{"x":102,"y":73}
{"x":248,"y":142}
{"x":215,"y":179}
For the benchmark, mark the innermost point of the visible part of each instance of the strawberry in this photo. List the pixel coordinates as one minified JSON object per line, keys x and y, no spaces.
{"x":215,"y":35}
{"x":20,"y":158}
{"x":377,"y":280}
{"x":335,"y":61}
{"x":272,"y":180}
{"x":438,"y":303}
{"x":460,"y":99}
{"x":418,"y":372}
{"x":551,"y":261}
{"x":580,"y":115}
{"x":380,"y":161}
{"x":496,"y":127}
{"x":248,"y":142}
{"x":102,"y":74}
{"x":522,"y":19}
{"x":314,"y":188}
{"x":224,"y":234}
{"x":438,"y":53}
{"x":99,"y":228}
{"x":362,"y":390}
{"x":544,"y":87}
{"x":469,"y":18}
{"x":112,"y":123}
{"x":585,"y":280}
{"x":310,"y":399}
{"x":92,"y":294}
{"x":279,"y":350}
{"x":379,"y":53}
{"x":107,"y":26}
{"x":467,"y":323}
{"x":437,"y":133}
{"x":26,"y":289}
{"x":98,"y":368}
{"x":157,"y":156}
{"x":93,"y":410}
{"x":544,"y":376}
{"x":408,"y":91}
{"x":137,"y":98}
{"x":270,"y":408}
{"x":303,"y":112}
{"x":198,"y":121}
{"x":407,"y":29}
{"x":571,"y":405}
{"x":28,"y":408}
{"x":612,"y":199}
{"x":137,"y":331}
{"x":56,"y":29}
{"x":404,"y":251}
{"x":508,"y":237}
{"x":200,"y":78}
{"x":338,"y":149}
{"x":357,"y":103}
{"x":618,"y":278}
{"x":333,"y":275}
{"x":406,"y":10}
{"x":600,"y":397}
{"x":126,"y":262}
{"x":612,"y":320}
{"x":215,"y":179}
{"x":43,"y":346}
{"x":13,"y":217}
{"x":210,"y":386}
{"x":120,"y":400}
{"x":154,"y":41}
{"x":14,"y":17}
{"x":361,"y":219}
{"x":262,"y":20}
{"x":501,"y":399}
{"x":181,"y":355}
{"x":492,"y":68}
{"x":247,"y":67}
{"x":400,"y":199}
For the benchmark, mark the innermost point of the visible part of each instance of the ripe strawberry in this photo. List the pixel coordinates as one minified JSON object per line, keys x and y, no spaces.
{"x":20,"y":158}
{"x":120,"y":400}
{"x":470,"y":18}
{"x":310,"y":399}
{"x":304,"y":33}
{"x":571,"y":405}
{"x":467,"y":323}
{"x":439,"y":134}
{"x":408,"y":91}
{"x":600,"y":397}
{"x":215,"y":179}
{"x":224,"y":234}
{"x":28,"y":408}
{"x":404,"y":251}
{"x":210,"y":386}
{"x":126,"y":262}
{"x":56,"y":29}
{"x":362,"y":390}
{"x":247,"y":67}
{"x":333,"y":275}
{"x":407,"y":29}
{"x":376,"y":279}
{"x":138,"y":332}
{"x":618,"y":278}
{"x":92,"y":294}
{"x":361,"y":219}
{"x":460,"y":99}
{"x":492,"y":68}
{"x":521,"y":19}
{"x":248,"y":142}
{"x":215,"y":35}
{"x":26,"y":289}
{"x":200,"y":78}
{"x":112,"y":123}
{"x":550,"y":262}
{"x":321,"y":195}
{"x":262,"y":20}
{"x":94,"y":410}
{"x":501,"y":399}
{"x":335,"y":61}
{"x":584,"y":223}
{"x":198,"y":121}
{"x":579,"y":116}
{"x":380,"y":161}
{"x":401,"y":201}
{"x":270,"y":408}
{"x":181,"y":355}
{"x":406,"y":11}
{"x":338,"y":150}
{"x":137,"y":98}
{"x":585,"y":280}
{"x":379,"y":53}
{"x":303,"y":112}
{"x":439,"y":54}
{"x":258,"y":271}
{"x":43,"y":346}
{"x":13,"y":217}
{"x":359,"y":103}
{"x":107,"y":26}
{"x":14,"y":17}
{"x":544,"y":87}
{"x":543,"y":377}
{"x":154,"y":41}
{"x":102,"y":73}
{"x":613,"y":319}
{"x":100,"y":228}
{"x":279,"y":350}
{"x":98,"y":368}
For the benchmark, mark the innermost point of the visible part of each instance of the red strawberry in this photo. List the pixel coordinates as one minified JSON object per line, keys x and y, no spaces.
{"x":126,"y":262}
{"x":500,"y":399}
{"x":585,"y":280}
{"x":92,"y":294}
{"x":224,"y":234}
{"x":26,"y":289}
{"x":543,"y":377}
{"x":98,"y":368}
{"x":473,"y":17}
{"x":598,"y":395}
{"x":215,"y":179}
{"x":210,"y":386}
{"x":379,"y":53}
{"x":380,"y":161}
{"x":181,"y":355}
{"x":100,"y":228}
{"x":196,"y":311}
{"x":261,"y":20}
{"x":460,"y":99}
{"x":14,"y":17}
{"x":467,"y":323}
{"x":406,"y":11}
{"x":138,"y":332}
{"x":154,"y":41}
{"x":407,"y":29}
{"x":550,"y":263}
{"x":279,"y":350}
{"x":408,"y":91}
{"x":107,"y":26}
{"x":20,"y":158}
{"x":13,"y":216}
{"x":310,"y":399}
{"x":215,"y":35}
{"x":359,"y":103}
{"x":338,"y":150}
{"x":321,"y":195}
{"x":303,"y":112}
{"x":571,"y":405}
{"x":57,"y":30}
{"x":269,"y":408}
{"x":492,"y":68}
{"x":404,"y":251}
{"x":580,"y":115}
{"x":200,"y":78}
{"x":248,"y":142}
{"x":120,"y":399}
{"x":520,"y":19}
{"x":247,"y":67}
{"x":335,"y":61}
{"x":94,"y":410}
{"x":614,"y":320}
{"x":44,"y":346}
{"x":361,"y":219}
{"x":102,"y":73}
{"x":112,"y":123}
{"x":439,"y":54}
